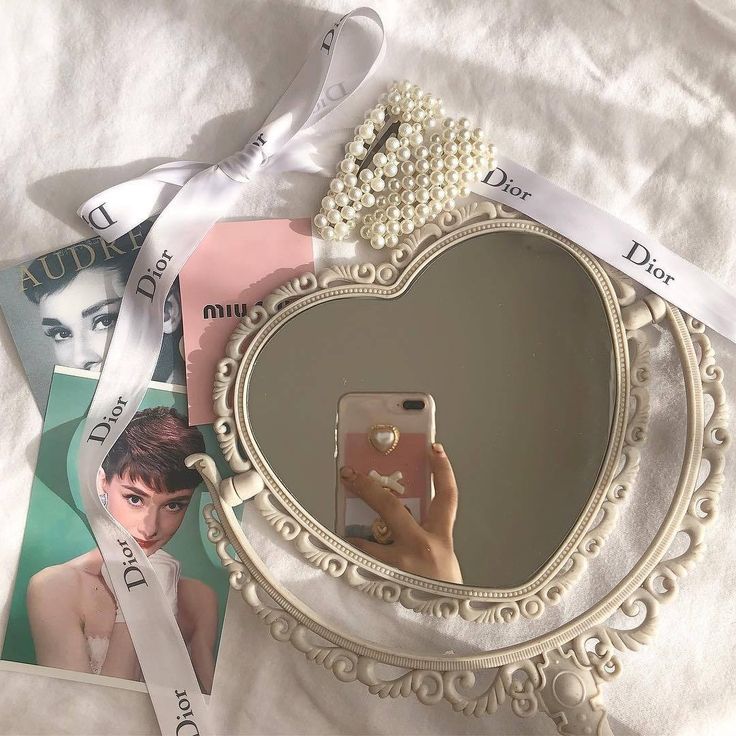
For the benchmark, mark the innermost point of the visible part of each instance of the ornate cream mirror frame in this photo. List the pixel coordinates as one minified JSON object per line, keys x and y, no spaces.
{"x":329,"y":552}
{"x":559,"y":672}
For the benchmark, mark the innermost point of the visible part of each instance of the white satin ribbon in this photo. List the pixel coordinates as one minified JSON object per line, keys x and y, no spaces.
{"x":389,"y":481}
{"x":631,"y":251}
{"x":191,"y":198}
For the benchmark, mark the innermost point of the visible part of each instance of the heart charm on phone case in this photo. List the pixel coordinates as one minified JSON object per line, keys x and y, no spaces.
{"x":384,"y":437}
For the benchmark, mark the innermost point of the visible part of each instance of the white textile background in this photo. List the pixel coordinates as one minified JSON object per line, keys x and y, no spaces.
{"x":628,"y":104}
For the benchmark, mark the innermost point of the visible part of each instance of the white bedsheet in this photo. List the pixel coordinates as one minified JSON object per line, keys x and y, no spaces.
{"x":628,"y":104}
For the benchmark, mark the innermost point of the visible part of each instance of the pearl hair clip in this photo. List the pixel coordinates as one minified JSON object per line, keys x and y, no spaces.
{"x":429,"y":161}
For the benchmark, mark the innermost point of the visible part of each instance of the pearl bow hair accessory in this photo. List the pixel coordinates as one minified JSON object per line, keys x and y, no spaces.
{"x":429,"y":161}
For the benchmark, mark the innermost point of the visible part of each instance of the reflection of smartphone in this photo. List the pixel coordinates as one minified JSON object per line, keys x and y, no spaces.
{"x":385,"y":433}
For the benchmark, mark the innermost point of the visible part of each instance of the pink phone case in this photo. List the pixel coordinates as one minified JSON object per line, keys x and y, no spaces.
{"x":410,"y":457}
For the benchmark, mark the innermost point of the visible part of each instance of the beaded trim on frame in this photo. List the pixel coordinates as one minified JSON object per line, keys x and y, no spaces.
{"x":328,"y":552}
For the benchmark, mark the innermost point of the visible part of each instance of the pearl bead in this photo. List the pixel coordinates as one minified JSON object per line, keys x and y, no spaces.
{"x":450,"y":148}
{"x":342,"y":199}
{"x":448,"y":135}
{"x":320,"y":221}
{"x":350,"y":180}
{"x":341,"y":230}
{"x":421,"y":210}
{"x":436,"y":208}
{"x":365,"y":187}
{"x":437,"y":164}
{"x":393,"y":199}
{"x":365,"y":232}
{"x":421,"y":152}
{"x":465,"y":135}
{"x":337,"y":185}
{"x":378,"y":242}
{"x":418,"y":221}
{"x":437,"y":177}
{"x":407,"y":197}
{"x":408,"y":182}
{"x":452,"y":162}
{"x":381,"y":201}
{"x":379,"y":159}
{"x":394,"y":185}
{"x":333,"y":216}
{"x":422,"y":166}
{"x":405,"y":129}
{"x":423,"y":181}
{"x":366,"y":130}
{"x":464,"y":123}
{"x":435,"y":150}
{"x":478,"y":134}
{"x":465,"y":147}
{"x":391,"y":170}
{"x":463,"y":190}
{"x":367,"y":200}
{"x":393,"y":227}
{"x":403,"y":154}
{"x":348,"y":213}
{"x":393,"y":213}
{"x":377,"y":185}
{"x":356,"y":148}
{"x":379,"y":228}
{"x":407,"y":211}
{"x":449,"y":205}
{"x":407,"y":168}
{"x":377,"y":116}
{"x":392,"y":144}
{"x":392,"y":241}
{"x":328,"y":203}
{"x":416,"y":139}
{"x":365,"y":175}
{"x":451,"y":191}
{"x":422,"y":195}
{"x":328,"y":233}
{"x":407,"y":226}
{"x":437,"y":193}
{"x":466,"y":161}
{"x":354,"y":193}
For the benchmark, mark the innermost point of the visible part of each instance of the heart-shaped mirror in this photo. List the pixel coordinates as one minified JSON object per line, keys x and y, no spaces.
{"x":512,"y":340}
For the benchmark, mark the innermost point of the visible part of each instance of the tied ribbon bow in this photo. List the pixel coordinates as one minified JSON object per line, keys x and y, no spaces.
{"x":389,"y":481}
{"x":190,"y":198}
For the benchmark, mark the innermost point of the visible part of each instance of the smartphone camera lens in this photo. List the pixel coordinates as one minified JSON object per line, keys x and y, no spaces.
{"x":413,"y":405}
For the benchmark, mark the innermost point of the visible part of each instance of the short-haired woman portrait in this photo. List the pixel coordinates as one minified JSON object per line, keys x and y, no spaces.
{"x":145,"y":485}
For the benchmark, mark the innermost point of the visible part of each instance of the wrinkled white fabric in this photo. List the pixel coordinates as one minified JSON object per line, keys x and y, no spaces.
{"x":630,"y":105}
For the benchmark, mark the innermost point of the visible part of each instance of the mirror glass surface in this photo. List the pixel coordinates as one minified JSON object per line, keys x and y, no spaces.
{"x":508,"y":334}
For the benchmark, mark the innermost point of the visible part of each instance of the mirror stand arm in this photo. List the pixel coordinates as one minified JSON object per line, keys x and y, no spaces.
{"x":649,"y":310}
{"x":570,"y":695}
{"x":231,"y":491}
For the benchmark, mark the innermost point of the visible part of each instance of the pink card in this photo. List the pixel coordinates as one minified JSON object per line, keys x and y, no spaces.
{"x":236,"y":265}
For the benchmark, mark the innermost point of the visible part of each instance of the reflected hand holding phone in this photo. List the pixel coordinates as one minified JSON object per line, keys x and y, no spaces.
{"x":425,"y":548}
